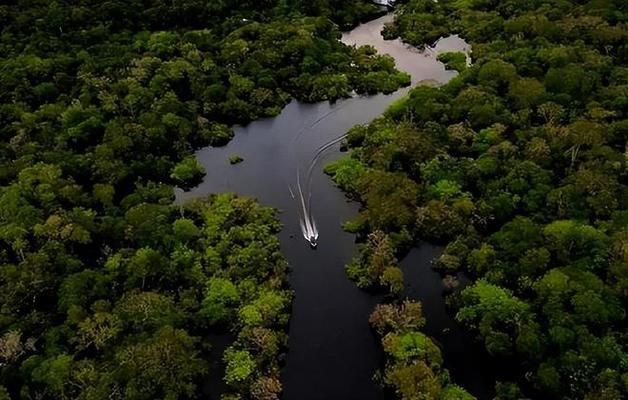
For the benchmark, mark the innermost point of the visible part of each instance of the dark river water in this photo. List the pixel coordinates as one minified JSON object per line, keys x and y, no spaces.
{"x":333,"y":354}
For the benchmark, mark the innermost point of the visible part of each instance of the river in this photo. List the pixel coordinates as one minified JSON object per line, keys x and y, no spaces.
{"x":332,"y":352}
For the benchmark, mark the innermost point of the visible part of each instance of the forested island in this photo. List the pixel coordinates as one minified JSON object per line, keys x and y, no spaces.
{"x":111,"y":290}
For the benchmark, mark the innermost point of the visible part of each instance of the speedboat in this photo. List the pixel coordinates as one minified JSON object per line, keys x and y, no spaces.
{"x":313,"y":241}
{"x":387,"y":3}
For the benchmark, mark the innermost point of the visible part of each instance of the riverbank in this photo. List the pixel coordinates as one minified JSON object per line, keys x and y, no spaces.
{"x":332,"y":351}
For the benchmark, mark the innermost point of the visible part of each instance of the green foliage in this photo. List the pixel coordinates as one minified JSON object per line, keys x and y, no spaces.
{"x":54,"y":373}
{"x":454,"y":60}
{"x":346,"y":172}
{"x":412,"y":345}
{"x":439,"y":221}
{"x":188,"y":171}
{"x":413,"y":361}
{"x":235,"y":159}
{"x":221,"y":297}
{"x":346,"y":13}
{"x":392,"y":278}
{"x":105,"y":285}
{"x":495,"y":313}
{"x":267,"y":310}
{"x":524,"y":180}
{"x":390,"y":198}
{"x":376,"y":265}
{"x":184,"y":230}
{"x":165,"y":366}
{"x":106,"y":288}
{"x":397,"y":318}
{"x":455,"y":392}
{"x":418,"y":23}
{"x":507,"y":391}
{"x":412,"y":381}
{"x":239,"y":366}
{"x":127,"y":322}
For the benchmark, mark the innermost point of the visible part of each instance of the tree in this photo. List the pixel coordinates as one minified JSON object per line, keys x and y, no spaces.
{"x":495,"y":313}
{"x":346,"y":173}
{"x":412,"y":346}
{"x":82,"y":289}
{"x":497,"y":74}
{"x":454,"y":392}
{"x":439,"y":221}
{"x":239,"y":366}
{"x":165,"y":365}
{"x":573,"y":241}
{"x":185,"y":230}
{"x":188,"y":171}
{"x":414,"y":381}
{"x":143,"y":311}
{"x":12,"y":347}
{"x":221,"y":297}
{"x":397,"y":318}
{"x":526,"y":92}
{"x":454,"y":60}
{"x":266,"y":389}
{"x":4,"y":394}
{"x":53,"y":373}
{"x":98,"y":331}
{"x":572,"y":80}
{"x":392,"y":277}
{"x":376,"y":263}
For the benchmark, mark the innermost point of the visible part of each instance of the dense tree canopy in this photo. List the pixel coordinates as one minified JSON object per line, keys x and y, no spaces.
{"x":518,"y":165}
{"x":133,"y":322}
{"x":520,"y":169}
{"x":107,"y":290}
{"x":414,"y":367}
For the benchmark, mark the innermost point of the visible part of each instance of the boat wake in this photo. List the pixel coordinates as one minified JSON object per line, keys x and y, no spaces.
{"x":306,"y":220}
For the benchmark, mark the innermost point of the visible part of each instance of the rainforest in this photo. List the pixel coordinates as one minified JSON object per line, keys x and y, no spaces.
{"x":324,"y":199}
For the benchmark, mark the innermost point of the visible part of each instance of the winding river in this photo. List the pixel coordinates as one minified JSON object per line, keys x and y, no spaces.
{"x":333,"y":353}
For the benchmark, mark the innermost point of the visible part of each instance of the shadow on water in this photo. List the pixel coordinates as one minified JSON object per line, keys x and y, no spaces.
{"x":468,"y":363}
{"x":332,"y":354}
{"x":215,"y":384}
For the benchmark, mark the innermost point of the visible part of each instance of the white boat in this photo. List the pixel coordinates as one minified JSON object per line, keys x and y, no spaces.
{"x":387,"y":3}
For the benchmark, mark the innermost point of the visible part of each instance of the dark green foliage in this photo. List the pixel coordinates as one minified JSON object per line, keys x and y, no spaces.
{"x":414,"y":364}
{"x":376,"y":265}
{"x":419,"y":23}
{"x":107,"y":289}
{"x":454,"y":60}
{"x":524,"y":179}
{"x":235,"y":159}
{"x":188,"y":171}
{"x":347,"y":14}
{"x":134,"y":323}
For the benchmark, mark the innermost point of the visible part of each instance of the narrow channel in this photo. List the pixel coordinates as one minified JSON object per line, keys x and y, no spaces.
{"x":332,"y":352}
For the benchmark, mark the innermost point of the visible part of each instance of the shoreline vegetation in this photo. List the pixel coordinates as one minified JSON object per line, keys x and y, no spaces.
{"x":518,"y":167}
{"x":107,"y":289}
{"x":235,"y":159}
{"x":414,"y":363}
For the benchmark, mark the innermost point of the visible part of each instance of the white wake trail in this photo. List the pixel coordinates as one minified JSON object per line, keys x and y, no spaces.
{"x":317,"y":156}
{"x":320,"y":119}
{"x":308,"y":226}
{"x":306,"y":219}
